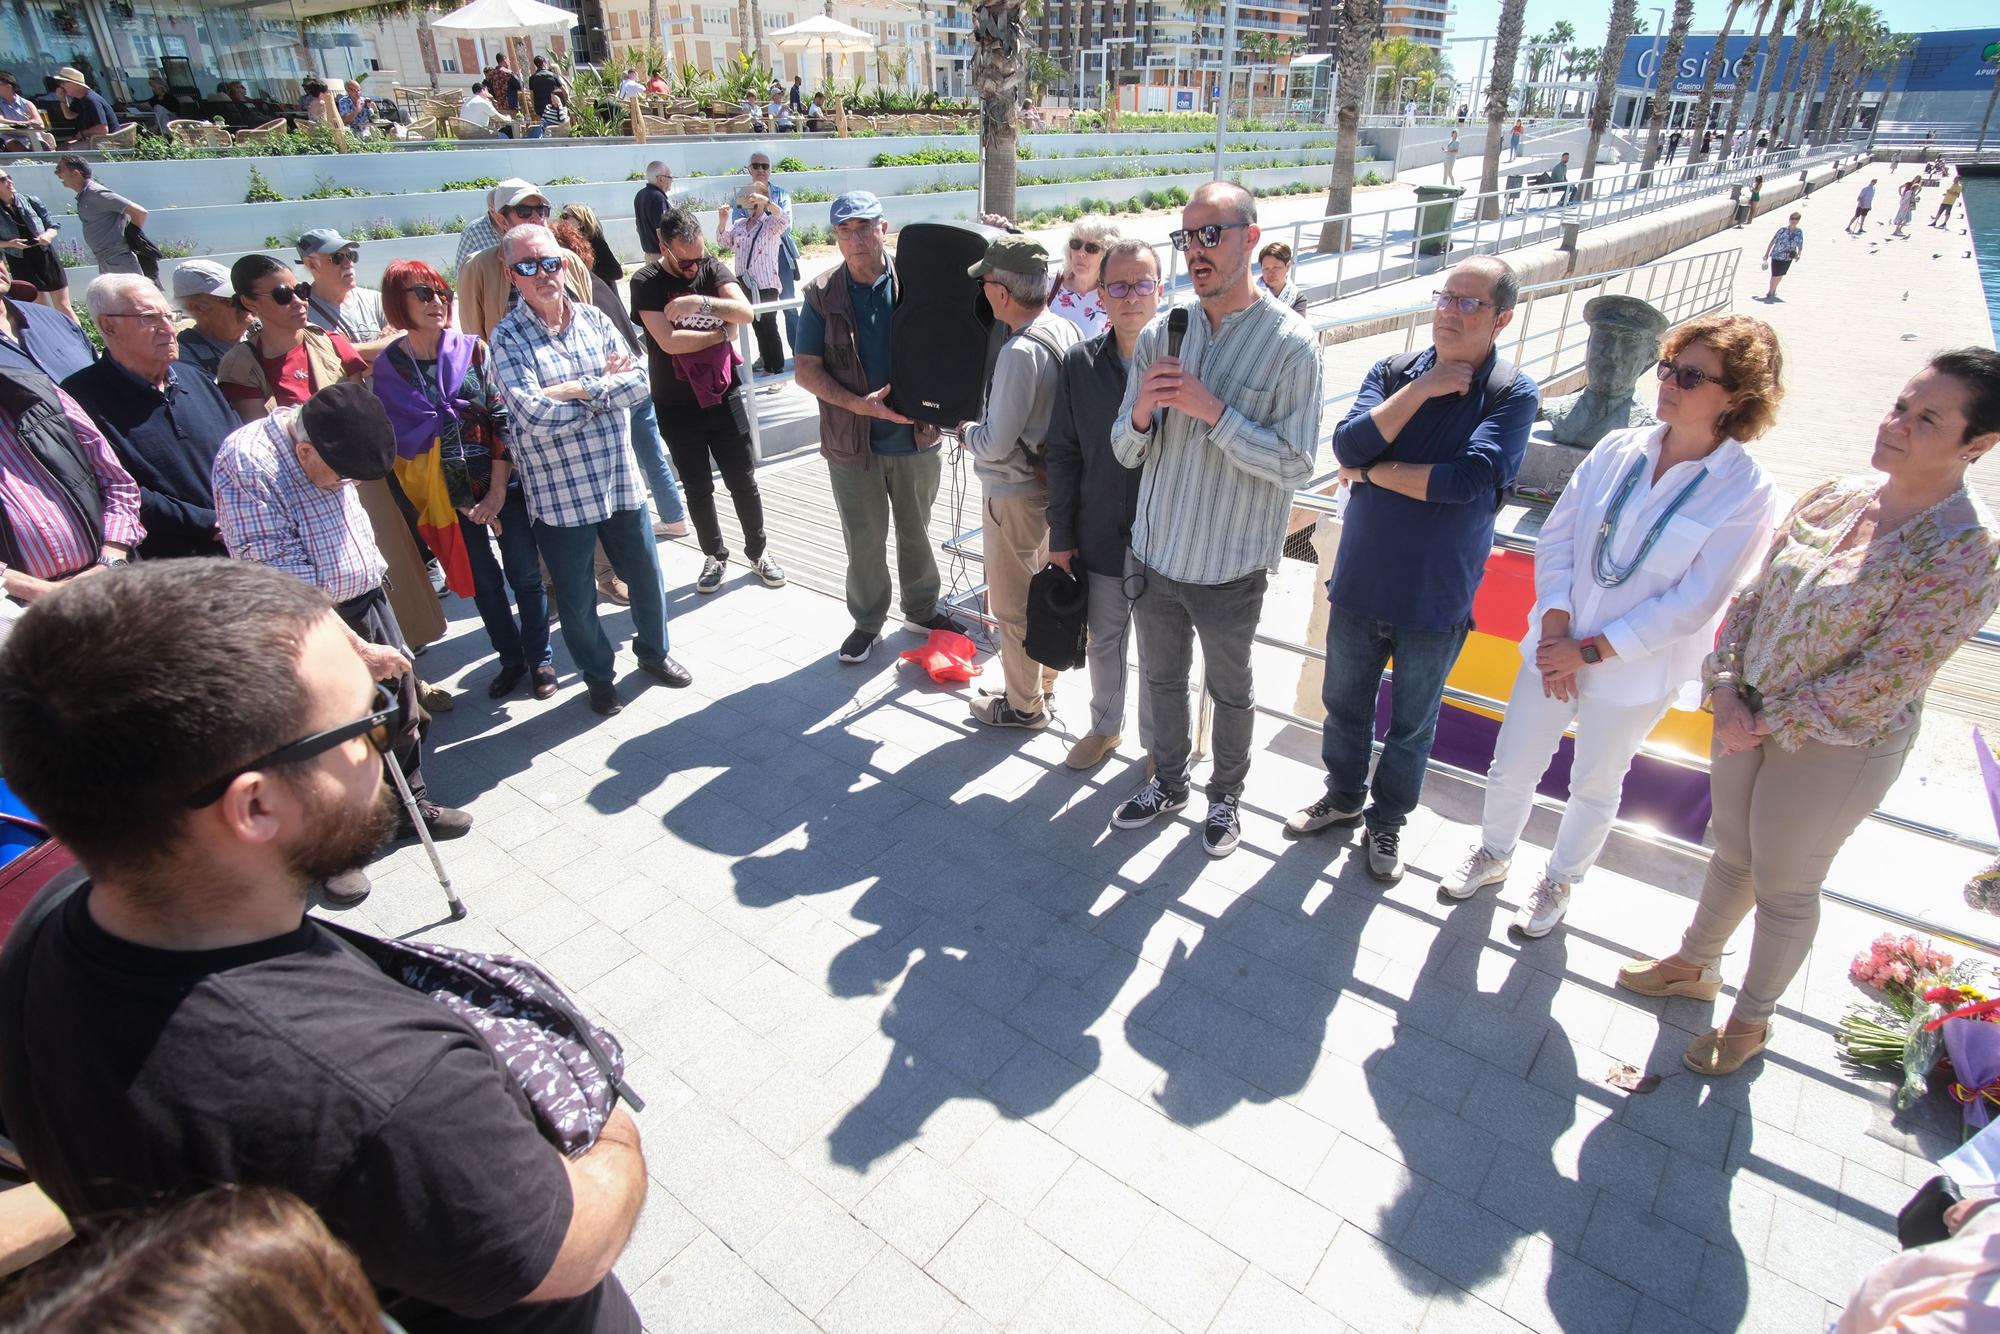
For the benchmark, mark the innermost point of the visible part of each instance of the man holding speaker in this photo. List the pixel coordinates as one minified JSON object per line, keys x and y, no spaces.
{"x":1007,"y":456}
{"x":1092,"y":499}
{"x":1221,"y":414}
{"x":879,"y":462}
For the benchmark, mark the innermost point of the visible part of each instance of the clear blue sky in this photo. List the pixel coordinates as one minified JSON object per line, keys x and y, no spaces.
{"x":1477,"y":18}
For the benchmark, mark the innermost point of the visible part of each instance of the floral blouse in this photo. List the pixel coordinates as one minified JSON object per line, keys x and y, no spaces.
{"x":1083,"y":309}
{"x":1841,"y":646}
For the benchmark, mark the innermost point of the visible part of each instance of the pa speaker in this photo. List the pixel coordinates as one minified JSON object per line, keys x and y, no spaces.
{"x":937,"y":350}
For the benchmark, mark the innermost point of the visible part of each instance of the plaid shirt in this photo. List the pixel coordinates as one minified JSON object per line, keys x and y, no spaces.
{"x":481,"y":235}
{"x":272,"y":513}
{"x":574,"y":456}
{"x":51,"y":543}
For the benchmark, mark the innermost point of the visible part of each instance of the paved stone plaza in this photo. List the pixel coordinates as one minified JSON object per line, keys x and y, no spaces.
{"x":926,"y":1045}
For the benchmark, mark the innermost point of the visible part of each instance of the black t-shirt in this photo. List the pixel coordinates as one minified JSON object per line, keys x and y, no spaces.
{"x":652,"y":288}
{"x":540,"y":84}
{"x":138,"y":1075}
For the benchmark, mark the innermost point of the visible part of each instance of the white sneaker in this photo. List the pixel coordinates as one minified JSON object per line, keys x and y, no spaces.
{"x":1544,"y":908}
{"x":1479,"y":868}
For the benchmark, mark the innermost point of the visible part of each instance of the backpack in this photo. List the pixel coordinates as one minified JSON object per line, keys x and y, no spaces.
{"x":1396,"y":374}
{"x":1058,"y":618}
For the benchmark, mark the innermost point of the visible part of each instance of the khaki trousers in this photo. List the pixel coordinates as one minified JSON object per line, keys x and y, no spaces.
{"x":1017,"y":546}
{"x":1780,"y":818}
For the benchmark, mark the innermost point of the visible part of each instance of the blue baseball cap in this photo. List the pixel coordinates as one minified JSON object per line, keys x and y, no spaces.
{"x":854,"y":204}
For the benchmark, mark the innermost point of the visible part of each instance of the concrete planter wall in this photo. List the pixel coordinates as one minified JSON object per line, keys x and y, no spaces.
{"x":160,"y":185}
{"x":901,"y":210}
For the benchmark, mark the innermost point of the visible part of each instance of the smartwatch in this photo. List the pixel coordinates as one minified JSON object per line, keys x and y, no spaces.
{"x":1590,"y":652}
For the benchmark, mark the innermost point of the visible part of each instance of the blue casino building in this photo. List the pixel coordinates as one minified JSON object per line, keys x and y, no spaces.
{"x":1944,"y":83}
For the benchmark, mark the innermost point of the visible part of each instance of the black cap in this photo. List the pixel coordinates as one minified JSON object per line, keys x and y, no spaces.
{"x":346,"y":423}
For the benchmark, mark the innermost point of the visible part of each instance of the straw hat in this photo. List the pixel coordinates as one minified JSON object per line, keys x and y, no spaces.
{"x":71,"y":74}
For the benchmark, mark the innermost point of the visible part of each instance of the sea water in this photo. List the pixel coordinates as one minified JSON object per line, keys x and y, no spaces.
{"x":1982,"y":208}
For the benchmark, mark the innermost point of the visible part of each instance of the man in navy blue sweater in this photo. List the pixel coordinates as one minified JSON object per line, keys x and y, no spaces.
{"x":1429,"y":448}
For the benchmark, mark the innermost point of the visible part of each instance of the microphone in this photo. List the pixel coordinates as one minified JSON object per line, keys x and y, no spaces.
{"x":1176,"y":329}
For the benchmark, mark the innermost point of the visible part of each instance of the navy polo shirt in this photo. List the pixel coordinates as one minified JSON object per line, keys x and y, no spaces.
{"x":168,"y":443}
{"x":50,"y":342}
{"x":874,"y":304}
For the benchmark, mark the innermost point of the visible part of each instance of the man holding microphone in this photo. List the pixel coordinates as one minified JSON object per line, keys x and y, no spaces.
{"x":1223,"y":420}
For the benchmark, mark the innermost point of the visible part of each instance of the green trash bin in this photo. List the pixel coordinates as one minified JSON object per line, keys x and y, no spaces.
{"x":1437,"y":205}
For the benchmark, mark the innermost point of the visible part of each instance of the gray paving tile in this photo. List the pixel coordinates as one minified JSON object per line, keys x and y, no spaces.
{"x":1374,"y":1288}
{"x":786,"y":1109}
{"x":664,"y":1229}
{"x":1441,"y":1147}
{"x":1072,"y":1298}
{"x":1820,"y":1254}
{"x":1526,"y":1189}
{"x":734,"y":1185}
{"x":1553,"y":1292}
{"x":994,"y":1263}
{"x":1739,"y":1297}
{"x":1646,"y":1252}
{"x":1014,"y":1164}
{"x":1368,"y":1188}
{"x":813,"y":1253}
{"x":889,"y":1293}
{"x":1717,"y":1206}
{"x":1092,"y":1216}
{"x":708,"y":1290}
{"x":1278,"y":1229}
{"x":917,"y":1207}
{"x":587,"y":955}
{"x":1178,"y":1273}
{"x":1260,"y":1304}
{"x":1459,"y":1241}
{"x":849,"y":1156}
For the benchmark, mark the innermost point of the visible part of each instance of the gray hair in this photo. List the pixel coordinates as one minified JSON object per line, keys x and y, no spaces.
{"x":1506,"y":282}
{"x":657,"y":168}
{"x":111,"y":293}
{"x":1030,"y":289}
{"x":1127,"y":246}
{"x":1095,"y":227}
{"x":526,"y":231}
{"x":1232,"y":196}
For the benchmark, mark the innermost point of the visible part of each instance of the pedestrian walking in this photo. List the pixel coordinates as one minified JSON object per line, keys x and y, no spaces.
{"x":107,"y":218}
{"x":1942,"y":218}
{"x":1906,"y":205}
{"x":1787,"y":244}
{"x":1862,"y":203}
{"x":1514,"y":140}
{"x":1746,"y":209}
{"x":1451,"y":152}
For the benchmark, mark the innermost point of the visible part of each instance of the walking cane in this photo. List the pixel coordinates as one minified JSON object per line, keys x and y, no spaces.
{"x":424,"y":833}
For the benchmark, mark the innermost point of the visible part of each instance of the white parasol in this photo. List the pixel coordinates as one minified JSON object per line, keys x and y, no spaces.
{"x":829,"y":37}
{"x":504,"y":16}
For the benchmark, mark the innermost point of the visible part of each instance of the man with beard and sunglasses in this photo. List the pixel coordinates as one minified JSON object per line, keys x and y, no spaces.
{"x":1224,"y":432}
{"x":192,"y":1025}
{"x":1429,"y":447}
{"x":285,"y":497}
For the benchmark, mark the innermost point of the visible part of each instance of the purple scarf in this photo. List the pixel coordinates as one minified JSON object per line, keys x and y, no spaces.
{"x":419,"y":423}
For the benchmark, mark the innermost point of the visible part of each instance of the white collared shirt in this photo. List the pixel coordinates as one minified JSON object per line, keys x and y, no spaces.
{"x":1661,"y":620}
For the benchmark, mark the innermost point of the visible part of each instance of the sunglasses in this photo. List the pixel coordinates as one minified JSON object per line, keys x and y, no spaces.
{"x":282,"y":295}
{"x":1120,"y":291}
{"x":380,"y":727}
{"x":1464,"y":305}
{"x":528,"y":268}
{"x":760,"y":166}
{"x":1087,"y":247}
{"x":529,"y":210}
{"x":424,"y":293}
{"x":1687,"y":377}
{"x":1208,"y":237}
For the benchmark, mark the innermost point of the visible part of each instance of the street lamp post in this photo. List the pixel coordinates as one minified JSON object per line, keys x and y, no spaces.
{"x":1223,"y":81}
{"x":1478,"y":72}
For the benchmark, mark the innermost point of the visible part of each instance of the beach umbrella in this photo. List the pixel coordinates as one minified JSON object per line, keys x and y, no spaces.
{"x":504,"y":16}
{"x":829,"y":37}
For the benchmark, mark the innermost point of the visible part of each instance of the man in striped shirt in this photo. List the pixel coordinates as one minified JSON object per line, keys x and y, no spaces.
{"x":67,"y":508}
{"x":1224,"y":433}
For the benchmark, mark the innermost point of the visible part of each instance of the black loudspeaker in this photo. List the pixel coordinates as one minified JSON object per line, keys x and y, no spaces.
{"x":937,"y":350}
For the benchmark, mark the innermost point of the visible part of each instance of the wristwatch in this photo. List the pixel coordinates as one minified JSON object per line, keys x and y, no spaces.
{"x":1366,"y":479}
{"x":113,"y":562}
{"x":1590,"y":653}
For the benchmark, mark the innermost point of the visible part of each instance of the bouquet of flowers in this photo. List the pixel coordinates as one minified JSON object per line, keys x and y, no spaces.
{"x":1920,"y":987}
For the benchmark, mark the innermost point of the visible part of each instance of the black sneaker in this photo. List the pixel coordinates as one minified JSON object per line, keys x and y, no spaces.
{"x":940,"y":622}
{"x":1385,"y":855}
{"x":711,"y":576}
{"x":855,"y":647}
{"x":1148,"y":804}
{"x":667,"y":672}
{"x":1221,"y":832}
{"x":603,"y":698}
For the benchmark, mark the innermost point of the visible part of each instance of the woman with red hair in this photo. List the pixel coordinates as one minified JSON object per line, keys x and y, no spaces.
{"x":451,"y":458}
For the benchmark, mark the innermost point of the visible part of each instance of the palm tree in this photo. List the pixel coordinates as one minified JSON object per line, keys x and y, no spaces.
{"x":1544,"y":52}
{"x":998,"y":71}
{"x":1789,"y":75}
{"x":1843,"y":43}
{"x":1898,"y":48}
{"x":1716,"y":60}
{"x":1784,"y":12}
{"x":1358,"y":21}
{"x":1810,"y":62}
{"x":743,"y":29}
{"x":1663,"y":81}
{"x":1741,"y":83}
{"x":1499,"y":86}
{"x":1624,"y":18}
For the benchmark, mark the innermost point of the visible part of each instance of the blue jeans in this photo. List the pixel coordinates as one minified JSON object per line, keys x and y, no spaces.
{"x":653,"y":465}
{"x":572,"y":555}
{"x":1357,"y":649}
{"x":528,"y":644}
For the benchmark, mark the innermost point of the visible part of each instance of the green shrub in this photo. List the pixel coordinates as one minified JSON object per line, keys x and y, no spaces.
{"x":174,"y":249}
{"x":324,"y":188}
{"x":260,"y":191}
{"x":812,"y":236}
{"x":925,"y":157}
{"x":565,"y":180}
{"x":1371,"y":179}
{"x":791,"y":164}
{"x":476,"y":183}
{"x":89,"y":327}
{"x":811,"y":196}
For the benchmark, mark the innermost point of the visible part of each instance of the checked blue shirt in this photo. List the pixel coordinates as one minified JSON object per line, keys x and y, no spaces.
{"x":574,"y":457}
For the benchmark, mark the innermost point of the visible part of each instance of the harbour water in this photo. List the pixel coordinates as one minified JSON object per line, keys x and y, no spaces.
{"x":1982,"y":208}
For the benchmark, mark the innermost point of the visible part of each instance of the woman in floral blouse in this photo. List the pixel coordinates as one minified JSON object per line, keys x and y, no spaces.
{"x":1817,"y":684}
{"x":1076,"y":293}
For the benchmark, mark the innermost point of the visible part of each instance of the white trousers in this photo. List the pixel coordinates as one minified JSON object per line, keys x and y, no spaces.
{"x":1607,"y":737}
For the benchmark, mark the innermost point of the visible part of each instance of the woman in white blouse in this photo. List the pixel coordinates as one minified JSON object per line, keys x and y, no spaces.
{"x":1633,"y":571}
{"x":1075,"y":294}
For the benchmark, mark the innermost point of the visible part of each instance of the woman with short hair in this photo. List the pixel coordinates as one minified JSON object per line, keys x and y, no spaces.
{"x":1274,"y":275}
{"x":1074,"y":294}
{"x":1817,"y":684}
{"x":1633,"y":568}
